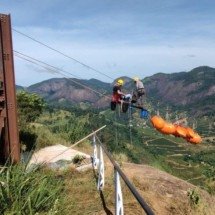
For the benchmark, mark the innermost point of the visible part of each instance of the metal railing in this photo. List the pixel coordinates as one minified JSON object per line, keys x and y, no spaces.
{"x":98,"y":163}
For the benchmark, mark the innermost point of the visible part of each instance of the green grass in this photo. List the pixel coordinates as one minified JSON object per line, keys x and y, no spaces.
{"x":26,"y":193}
{"x":163,"y":142}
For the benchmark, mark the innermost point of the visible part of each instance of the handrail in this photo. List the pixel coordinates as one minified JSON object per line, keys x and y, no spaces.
{"x":76,"y":143}
{"x":89,"y":135}
{"x":139,"y":198}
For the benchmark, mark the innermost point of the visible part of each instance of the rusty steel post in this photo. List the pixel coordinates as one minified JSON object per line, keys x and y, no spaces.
{"x":2,"y":105}
{"x":9,"y":147}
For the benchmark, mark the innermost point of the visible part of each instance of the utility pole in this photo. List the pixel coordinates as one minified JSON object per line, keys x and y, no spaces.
{"x":9,"y":138}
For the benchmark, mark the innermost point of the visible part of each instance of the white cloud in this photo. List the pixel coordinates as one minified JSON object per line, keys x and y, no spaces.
{"x":129,"y":37}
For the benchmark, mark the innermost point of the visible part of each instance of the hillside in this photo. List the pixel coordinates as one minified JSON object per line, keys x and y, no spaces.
{"x":167,"y":194}
{"x":193,"y":91}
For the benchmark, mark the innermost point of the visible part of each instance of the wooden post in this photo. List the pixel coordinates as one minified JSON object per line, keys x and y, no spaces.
{"x":9,"y":145}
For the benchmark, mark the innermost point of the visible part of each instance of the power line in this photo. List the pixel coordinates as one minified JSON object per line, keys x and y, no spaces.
{"x":55,"y":70}
{"x":65,"y":55}
{"x":61,"y":74}
{"x":49,"y":65}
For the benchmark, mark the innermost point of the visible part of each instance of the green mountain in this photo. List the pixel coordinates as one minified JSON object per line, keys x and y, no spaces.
{"x":192,"y":91}
{"x":70,"y":92}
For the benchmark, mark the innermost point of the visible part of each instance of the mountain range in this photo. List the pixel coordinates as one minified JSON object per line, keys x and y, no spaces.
{"x":193,"y":91}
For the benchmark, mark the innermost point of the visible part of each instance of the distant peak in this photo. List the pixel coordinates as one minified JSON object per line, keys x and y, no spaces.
{"x":203,"y":69}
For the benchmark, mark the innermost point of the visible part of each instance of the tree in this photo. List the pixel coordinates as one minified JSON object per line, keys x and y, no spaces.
{"x":30,"y":106}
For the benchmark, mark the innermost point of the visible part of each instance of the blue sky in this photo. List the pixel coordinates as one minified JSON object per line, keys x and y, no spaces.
{"x":116,"y":37}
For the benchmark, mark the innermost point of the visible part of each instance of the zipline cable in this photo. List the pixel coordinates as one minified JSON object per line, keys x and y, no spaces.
{"x":55,"y":70}
{"x":42,"y":62}
{"x":65,"y":55}
{"x":61,"y":72}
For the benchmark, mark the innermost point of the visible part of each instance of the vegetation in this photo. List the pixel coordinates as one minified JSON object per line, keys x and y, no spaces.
{"x":30,"y":106}
{"x":194,"y":197}
{"x":128,"y":139}
{"x":27,"y":192}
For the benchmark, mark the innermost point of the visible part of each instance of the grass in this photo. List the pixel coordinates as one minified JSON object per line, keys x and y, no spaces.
{"x":81,"y":195}
{"x":163,"y":142}
{"x":27,"y":193}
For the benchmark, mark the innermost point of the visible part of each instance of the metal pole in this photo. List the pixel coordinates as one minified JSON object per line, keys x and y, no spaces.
{"x":11,"y":137}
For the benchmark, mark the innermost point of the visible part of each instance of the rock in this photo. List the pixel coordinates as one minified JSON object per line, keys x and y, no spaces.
{"x":55,"y":157}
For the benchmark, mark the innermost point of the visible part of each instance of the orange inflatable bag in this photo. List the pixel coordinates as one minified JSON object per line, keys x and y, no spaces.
{"x":157,"y":122}
{"x":168,"y":128}
{"x":178,"y":131}
{"x":181,"y":131}
{"x":195,"y":139}
{"x":190,"y":132}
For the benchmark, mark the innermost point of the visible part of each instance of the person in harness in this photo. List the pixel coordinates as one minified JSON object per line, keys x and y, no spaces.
{"x":139,"y":92}
{"x":119,"y":97}
{"x":117,"y":91}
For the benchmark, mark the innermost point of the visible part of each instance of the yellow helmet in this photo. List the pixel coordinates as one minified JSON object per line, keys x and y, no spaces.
{"x":120,"y":82}
{"x":136,"y":79}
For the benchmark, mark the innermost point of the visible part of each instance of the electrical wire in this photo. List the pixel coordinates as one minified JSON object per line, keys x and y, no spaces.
{"x":65,"y":55}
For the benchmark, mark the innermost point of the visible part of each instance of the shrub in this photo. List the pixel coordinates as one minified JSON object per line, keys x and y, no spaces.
{"x":194,"y":197}
{"x":78,"y":159}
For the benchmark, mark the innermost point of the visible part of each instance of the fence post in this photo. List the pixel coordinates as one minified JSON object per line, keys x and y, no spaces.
{"x":101,"y":178}
{"x":118,"y":195}
{"x":95,"y":158}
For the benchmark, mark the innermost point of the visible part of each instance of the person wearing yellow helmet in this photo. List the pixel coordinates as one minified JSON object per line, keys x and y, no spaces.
{"x":120,"y":82}
{"x":119,"y":97}
{"x":139,"y":91}
{"x":117,"y":91}
{"x":117,"y":94}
